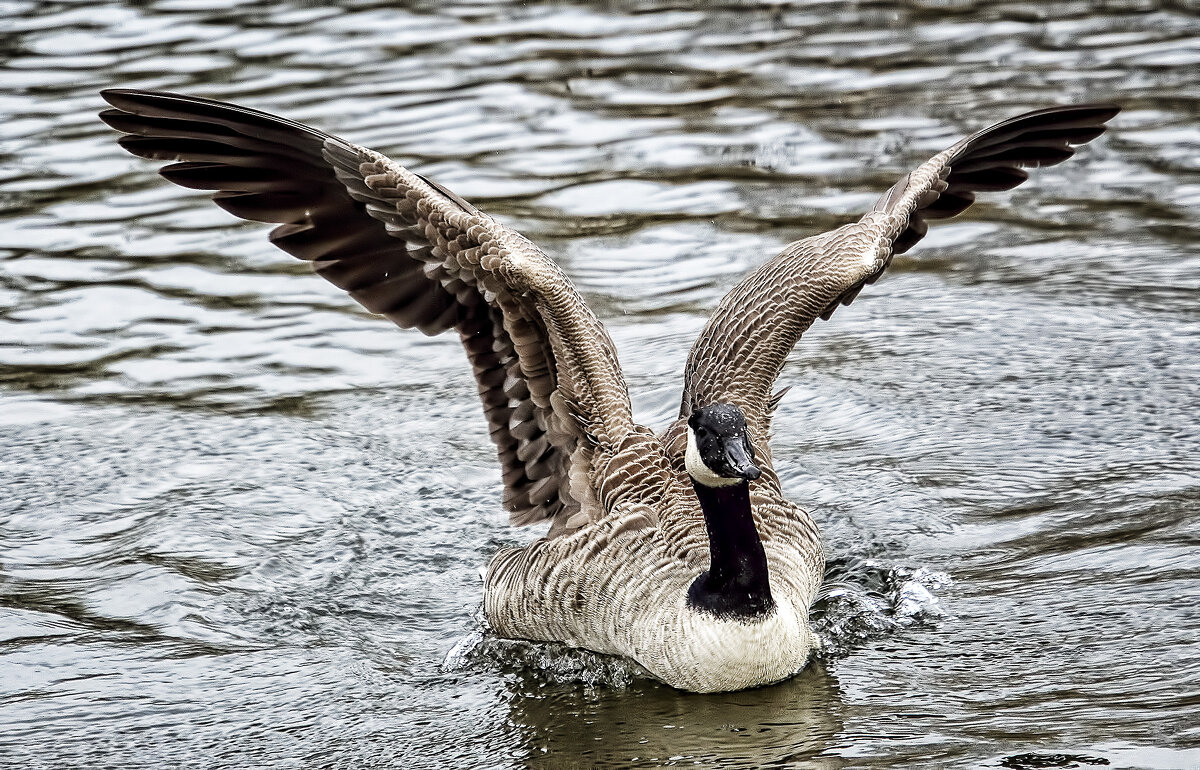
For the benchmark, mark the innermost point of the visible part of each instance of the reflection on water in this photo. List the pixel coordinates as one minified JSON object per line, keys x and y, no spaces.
{"x":650,"y":725}
{"x":242,"y":521}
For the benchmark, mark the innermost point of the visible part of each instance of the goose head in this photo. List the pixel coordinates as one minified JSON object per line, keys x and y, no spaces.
{"x":719,"y":453}
{"x":720,"y":460}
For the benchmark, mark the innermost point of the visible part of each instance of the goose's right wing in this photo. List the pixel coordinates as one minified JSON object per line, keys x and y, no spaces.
{"x":743,"y":347}
{"x":402,"y":246}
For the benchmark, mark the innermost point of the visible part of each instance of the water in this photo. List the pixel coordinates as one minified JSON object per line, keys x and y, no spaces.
{"x":242,"y":521}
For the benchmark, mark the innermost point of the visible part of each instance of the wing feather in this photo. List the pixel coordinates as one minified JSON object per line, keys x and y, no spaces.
{"x":407,"y":248}
{"x":743,"y":347}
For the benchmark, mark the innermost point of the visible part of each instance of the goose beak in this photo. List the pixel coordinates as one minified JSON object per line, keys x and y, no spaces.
{"x":740,"y":459}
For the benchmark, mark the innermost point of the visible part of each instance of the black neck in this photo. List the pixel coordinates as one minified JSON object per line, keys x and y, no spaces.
{"x":736,"y":583}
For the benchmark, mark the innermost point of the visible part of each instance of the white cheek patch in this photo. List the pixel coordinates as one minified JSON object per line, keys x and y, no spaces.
{"x":698,"y":470}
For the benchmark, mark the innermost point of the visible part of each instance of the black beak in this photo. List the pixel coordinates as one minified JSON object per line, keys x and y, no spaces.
{"x":740,"y":459}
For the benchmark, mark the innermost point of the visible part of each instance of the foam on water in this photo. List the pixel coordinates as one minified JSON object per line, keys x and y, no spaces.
{"x":874,"y":603}
{"x":539,"y":663}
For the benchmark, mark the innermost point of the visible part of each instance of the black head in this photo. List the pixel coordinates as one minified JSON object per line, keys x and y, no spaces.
{"x":719,"y":451}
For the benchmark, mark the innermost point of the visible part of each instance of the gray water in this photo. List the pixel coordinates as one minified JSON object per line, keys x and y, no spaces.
{"x":241,"y":520}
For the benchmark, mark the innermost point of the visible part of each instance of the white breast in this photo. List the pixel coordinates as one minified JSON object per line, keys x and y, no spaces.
{"x":704,"y":653}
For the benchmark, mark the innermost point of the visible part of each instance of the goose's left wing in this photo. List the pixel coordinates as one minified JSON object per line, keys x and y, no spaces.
{"x":743,"y":347}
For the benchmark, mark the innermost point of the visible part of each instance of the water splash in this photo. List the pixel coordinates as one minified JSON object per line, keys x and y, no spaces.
{"x":871,"y":602}
{"x":541,"y":663}
{"x":874,"y":601}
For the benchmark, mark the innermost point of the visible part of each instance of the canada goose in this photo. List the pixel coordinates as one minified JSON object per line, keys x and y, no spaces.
{"x":678,"y":550}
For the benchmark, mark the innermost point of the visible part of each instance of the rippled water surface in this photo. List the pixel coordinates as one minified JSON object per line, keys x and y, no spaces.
{"x":242,"y":520}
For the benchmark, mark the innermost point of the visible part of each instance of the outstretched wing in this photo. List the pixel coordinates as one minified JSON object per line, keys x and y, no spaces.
{"x":743,"y":347}
{"x":406,"y":248}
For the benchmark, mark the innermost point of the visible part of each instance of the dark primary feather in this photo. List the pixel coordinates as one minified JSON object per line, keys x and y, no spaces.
{"x":382,"y":234}
{"x":390,"y":256}
{"x":743,"y":347}
{"x":994,"y":159}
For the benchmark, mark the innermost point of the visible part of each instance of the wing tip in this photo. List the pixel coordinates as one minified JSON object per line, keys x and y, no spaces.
{"x":1098,"y":113}
{"x":131,"y":99}
{"x":1105,"y":111}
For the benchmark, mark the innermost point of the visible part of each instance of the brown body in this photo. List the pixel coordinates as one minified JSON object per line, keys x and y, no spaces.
{"x":627,"y":535}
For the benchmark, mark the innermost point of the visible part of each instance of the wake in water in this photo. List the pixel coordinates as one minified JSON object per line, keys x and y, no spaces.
{"x":874,"y":601}
{"x":549,"y":663}
{"x":856,"y":605}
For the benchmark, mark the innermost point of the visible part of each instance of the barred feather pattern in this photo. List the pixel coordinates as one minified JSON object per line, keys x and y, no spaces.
{"x":402,"y":246}
{"x":746,"y":342}
{"x":627,"y":535}
{"x":548,"y":375}
{"x":620,"y":587}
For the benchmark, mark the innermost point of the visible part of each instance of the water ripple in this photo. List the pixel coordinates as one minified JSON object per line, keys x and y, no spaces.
{"x":235,"y":503}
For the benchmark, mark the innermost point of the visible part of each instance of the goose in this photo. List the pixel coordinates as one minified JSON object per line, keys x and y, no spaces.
{"x":678,"y":549}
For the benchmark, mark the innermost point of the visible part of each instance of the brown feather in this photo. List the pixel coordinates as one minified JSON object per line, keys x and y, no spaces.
{"x":408,"y":248}
{"x":744,"y":345}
